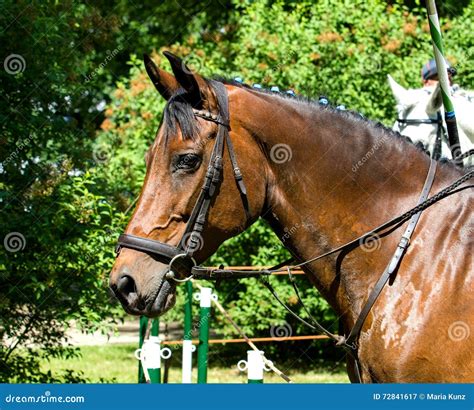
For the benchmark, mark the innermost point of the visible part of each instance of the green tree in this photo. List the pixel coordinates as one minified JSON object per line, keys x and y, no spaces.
{"x":58,"y":223}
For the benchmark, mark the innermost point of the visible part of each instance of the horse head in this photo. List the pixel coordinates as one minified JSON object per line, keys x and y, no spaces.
{"x":421,"y":114}
{"x":415,"y":109}
{"x":177,"y":163}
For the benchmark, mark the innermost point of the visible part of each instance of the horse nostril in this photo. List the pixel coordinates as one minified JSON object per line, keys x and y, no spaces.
{"x":126,"y":285}
{"x":126,"y":291}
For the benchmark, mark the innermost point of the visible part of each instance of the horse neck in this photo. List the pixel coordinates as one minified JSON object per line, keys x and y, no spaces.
{"x":343,"y":177}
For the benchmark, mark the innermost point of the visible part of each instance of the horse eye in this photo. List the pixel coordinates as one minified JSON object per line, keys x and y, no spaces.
{"x":187,"y":162}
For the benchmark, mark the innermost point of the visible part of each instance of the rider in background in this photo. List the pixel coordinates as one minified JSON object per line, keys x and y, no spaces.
{"x":429,"y":77}
{"x":429,"y":73}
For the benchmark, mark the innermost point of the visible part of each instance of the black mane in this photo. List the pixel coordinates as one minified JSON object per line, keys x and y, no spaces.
{"x":179,"y":115}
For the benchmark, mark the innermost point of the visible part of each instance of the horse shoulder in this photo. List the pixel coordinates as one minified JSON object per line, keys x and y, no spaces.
{"x":426,"y":311}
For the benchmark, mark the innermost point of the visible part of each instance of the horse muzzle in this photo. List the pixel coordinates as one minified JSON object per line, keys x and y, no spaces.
{"x":142,"y":284}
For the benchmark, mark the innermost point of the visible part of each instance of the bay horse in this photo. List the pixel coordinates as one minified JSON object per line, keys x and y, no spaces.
{"x":326,"y":176}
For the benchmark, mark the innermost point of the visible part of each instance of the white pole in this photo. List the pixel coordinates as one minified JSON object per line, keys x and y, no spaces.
{"x":187,"y":366}
{"x":150,"y":355}
{"x":254,"y":365}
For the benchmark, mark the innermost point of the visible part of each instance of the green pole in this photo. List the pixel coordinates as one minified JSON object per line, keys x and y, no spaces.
{"x":203,"y":347}
{"x":187,"y":362}
{"x":155,"y":374}
{"x":141,"y":336}
{"x":188,"y":312}
{"x":155,"y":327}
{"x":438,"y":48}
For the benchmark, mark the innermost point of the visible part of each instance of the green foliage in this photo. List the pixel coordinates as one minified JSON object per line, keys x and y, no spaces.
{"x":59,"y":219}
{"x":48,"y":200}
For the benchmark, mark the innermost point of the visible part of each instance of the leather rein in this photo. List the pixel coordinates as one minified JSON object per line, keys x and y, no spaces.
{"x":180,"y":258}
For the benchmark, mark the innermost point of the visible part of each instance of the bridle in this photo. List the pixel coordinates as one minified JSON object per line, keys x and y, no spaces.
{"x":440,"y":130}
{"x":180,"y":258}
{"x":440,"y":134}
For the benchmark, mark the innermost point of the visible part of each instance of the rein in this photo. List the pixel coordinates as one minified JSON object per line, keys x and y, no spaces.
{"x":180,"y":258}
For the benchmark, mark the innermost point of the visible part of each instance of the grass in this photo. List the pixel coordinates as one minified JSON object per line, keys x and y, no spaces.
{"x":117,"y":364}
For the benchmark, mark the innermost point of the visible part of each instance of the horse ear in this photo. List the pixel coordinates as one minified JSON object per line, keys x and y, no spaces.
{"x":193,"y":83}
{"x":399,"y":92}
{"x":435,"y":101}
{"x":164,"y":82}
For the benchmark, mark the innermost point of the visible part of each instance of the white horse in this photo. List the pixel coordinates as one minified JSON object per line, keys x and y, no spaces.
{"x":423,"y":108}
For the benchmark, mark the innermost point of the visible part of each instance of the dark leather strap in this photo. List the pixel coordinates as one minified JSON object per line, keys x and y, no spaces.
{"x":192,"y":236}
{"x":198,"y":219}
{"x":149,"y":246}
{"x":239,"y":180}
{"x":436,"y":154}
{"x":193,"y":233}
{"x":464,"y":155}
{"x":419,"y":121}
{"x":394,"y":261}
